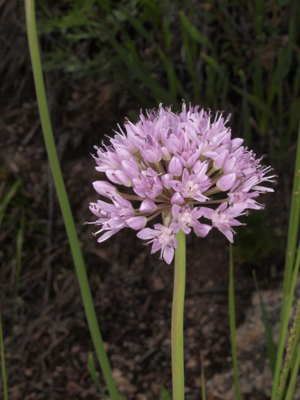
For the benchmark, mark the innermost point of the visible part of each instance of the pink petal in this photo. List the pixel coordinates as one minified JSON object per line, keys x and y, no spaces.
{"x":226,"y":182}
{"x":168,"y":254}
{"x":146,"y":233}
{"x":177,"y":198}
{"x":147,"y":206}
{"x":175,"y":167}
{"x":136,"y":223}
{"x":104,"y":188}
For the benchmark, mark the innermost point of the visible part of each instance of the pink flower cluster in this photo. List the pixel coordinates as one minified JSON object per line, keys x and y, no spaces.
{"x":183,"y":166}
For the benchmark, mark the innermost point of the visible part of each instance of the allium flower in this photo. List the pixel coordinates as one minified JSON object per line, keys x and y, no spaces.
{"x":183,"y":166}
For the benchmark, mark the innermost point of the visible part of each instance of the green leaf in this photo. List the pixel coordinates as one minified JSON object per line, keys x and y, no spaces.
{"x":91,"y":367}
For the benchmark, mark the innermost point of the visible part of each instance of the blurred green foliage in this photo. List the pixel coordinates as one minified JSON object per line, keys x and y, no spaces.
{"x":164,"y":394}
{"x":235,"y":55}
{"x":257,"y":241}
{"x":17,"y":222}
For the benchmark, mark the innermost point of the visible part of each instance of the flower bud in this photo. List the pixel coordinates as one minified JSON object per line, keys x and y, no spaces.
{"x":175,"y":167}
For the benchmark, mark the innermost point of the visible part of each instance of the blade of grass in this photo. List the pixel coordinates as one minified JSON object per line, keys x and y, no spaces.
{"x":4,"y":377}
{"x":291,"y":353}
{"x":64,"y":201}
{"x":258,"y":85}
{"x":271,"y":347}
{"x":257,"y":78}
{"x":132,"y":86}
{"x":210,"y":89}
{"x":136,"y":69}
{"x":231,"y":304}
{"x":295,"y":106}
{"x":293,"y":120}
{"x":173,"y":81}
{"x":273,"y":89}
{"x":91,"y":367}
{"x":283,"y":327}
{"x":296,"y":83}
{"x":12,"y":191}
{"x":194,"y":32}
{"x":20,"y":236}
{"x":293,"y":381}
{"x":224,"y":93}
{"x":167,"y":33}
{"x":259,"y":11}
{"x":245,"y":110}
{"x":251,"y":98}
{"x":190,"y":64}
{"x":292,"y":232}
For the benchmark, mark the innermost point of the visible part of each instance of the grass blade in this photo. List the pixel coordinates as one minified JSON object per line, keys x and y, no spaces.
{"x":167,"y":33}
{"x":193,"y":31}
{"x":91,"y":367}
{"x":292,"y":386}
{"x":136,"y":69}
{"x":4,"y":377}
{"x":292,"y":233}
{"x":173,"y":81}
{"x":20,"y":236}
{"x":190,"y":63}
{"x":291,"y":353}
{"x":271,"y":347}
{"x":231,"y":304}
{"x":64,"y":201}
{"x":133,"y":87}
{"x":251,"y":98}
{"x":283,"y":327}
{"x":210,"y":91}
{"x":8,"y":197}
{"x":245,"y":110}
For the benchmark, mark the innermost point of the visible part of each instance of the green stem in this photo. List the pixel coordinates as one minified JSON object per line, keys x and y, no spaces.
{"x":64,"y":201}
{"x":177,"y":319}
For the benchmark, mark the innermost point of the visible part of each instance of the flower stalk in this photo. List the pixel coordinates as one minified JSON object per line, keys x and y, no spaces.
{"x":177,"y":318}
{"x":64,"y":201}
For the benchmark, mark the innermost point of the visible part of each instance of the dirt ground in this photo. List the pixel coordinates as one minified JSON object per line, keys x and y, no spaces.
{"x":46,"y":352}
